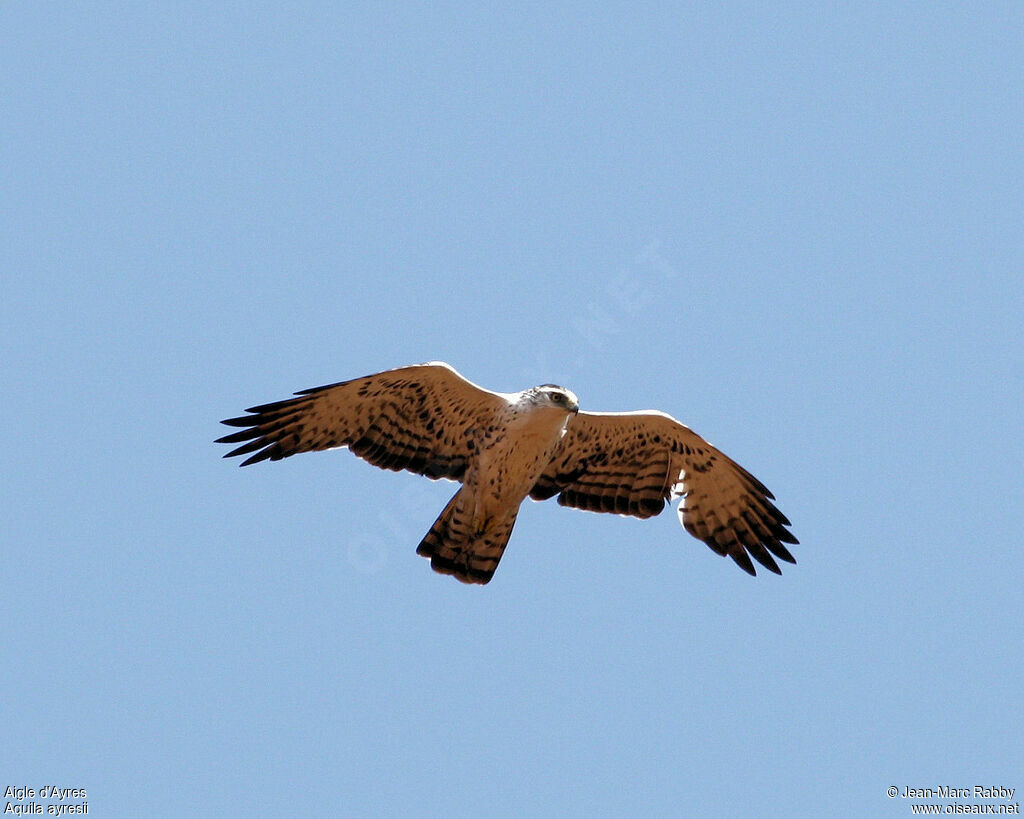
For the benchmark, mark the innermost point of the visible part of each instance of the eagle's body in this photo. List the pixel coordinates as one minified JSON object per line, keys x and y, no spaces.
{"x":470,"y":535}
{"x":504,"y":447}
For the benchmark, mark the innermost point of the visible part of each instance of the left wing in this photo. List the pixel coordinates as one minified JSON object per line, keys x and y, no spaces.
{"x":422,"y":418}
{"x":631,"y":463}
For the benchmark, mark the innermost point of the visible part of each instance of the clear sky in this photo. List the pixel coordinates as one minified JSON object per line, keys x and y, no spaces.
{"x":795,"y":227}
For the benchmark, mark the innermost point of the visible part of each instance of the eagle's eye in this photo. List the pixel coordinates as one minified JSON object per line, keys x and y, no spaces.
{"x":557,"y":397}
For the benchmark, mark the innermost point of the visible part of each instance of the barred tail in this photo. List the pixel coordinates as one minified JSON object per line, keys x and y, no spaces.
{"x":455,"y":548}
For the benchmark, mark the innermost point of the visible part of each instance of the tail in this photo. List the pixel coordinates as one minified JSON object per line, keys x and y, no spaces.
{"x":456,"y":546}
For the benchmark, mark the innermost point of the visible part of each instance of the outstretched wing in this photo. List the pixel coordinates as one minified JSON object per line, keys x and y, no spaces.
{"x":420,"y":418}
{"x":632,"y":463}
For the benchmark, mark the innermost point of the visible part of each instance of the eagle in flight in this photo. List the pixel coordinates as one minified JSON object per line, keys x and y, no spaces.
{"x":504,"y":447}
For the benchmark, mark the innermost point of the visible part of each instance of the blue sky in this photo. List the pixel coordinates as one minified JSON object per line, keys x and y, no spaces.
{"x":795,"y":227}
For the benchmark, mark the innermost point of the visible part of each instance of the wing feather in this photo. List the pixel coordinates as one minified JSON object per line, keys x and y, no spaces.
{"x":421,"y":418}
{"x":632,"y":463}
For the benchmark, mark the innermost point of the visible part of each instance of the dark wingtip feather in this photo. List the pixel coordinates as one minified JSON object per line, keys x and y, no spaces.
{"x":780,"y":552}
{"x":273,"y":406}
{"x":260,"y":456}
{"x":243,"y":435}
{"x":244,"y":449}
{"x":243,"y":421}
{"x":770,"y":564}
{"x":743,"y":561}
{"x":762,"y":556}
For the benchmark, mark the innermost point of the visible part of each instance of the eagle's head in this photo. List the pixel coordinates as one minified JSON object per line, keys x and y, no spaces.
{"x":551,"y":395}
